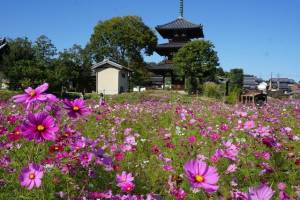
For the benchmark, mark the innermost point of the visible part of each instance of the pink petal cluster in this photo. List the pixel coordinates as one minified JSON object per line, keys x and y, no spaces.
{"x":262,"y":192}
{"x":125,"y":181}
{"x":32,"y":95}
{"x":39,"y":127}
{"x":31,"y":176}
{"x":76,"y":108}
{"x":201,"y":175}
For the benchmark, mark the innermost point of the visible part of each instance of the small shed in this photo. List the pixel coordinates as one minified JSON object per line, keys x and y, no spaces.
{"x":111,"y":77}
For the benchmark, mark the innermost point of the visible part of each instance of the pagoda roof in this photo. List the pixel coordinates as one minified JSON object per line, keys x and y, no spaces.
{"x":180,"y":25}
{"x":162,"y":67}
{"x":166,"y":48}
{"x":171,"y":45}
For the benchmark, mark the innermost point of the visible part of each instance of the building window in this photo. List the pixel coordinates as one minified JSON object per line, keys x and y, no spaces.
{"x":123,"y":75}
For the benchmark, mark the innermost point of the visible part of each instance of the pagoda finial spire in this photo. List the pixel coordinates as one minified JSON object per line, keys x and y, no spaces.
{"x":181,"y":9}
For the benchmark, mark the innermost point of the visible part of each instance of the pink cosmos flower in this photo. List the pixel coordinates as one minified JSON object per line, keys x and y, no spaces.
{"x":284,"y":196}
{"x":214,"y":136}
{"x":249,"y":124}
{"x":192,"y":139}
{"x":16,"y":134}
{"x":231,"y":151}
{"x":224,"y":127}
{"x":168,"y":167}
{"x":125,"y":181}
{"x":39,"y":127}
{"x":281,"y":186}
{"x":217,"y":155}
{"x":178,"y":193}
{"x":32,"y":95}
{"x":86,"y":158}
{"x":231,"y":168}
{"x":200,"y":175}
{"x":238,"y":195}
{"x":130,"y":140}
{"x":119,"y":156}
{"x":76,"y":108}
{"x":262,"y":192}
{"x":31,"y":176}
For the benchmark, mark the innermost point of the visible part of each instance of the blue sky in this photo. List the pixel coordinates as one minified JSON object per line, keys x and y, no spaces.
{"x":260,"y":36}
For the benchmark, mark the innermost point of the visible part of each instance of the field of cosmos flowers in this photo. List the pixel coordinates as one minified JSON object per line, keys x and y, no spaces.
{"x":147,"y":146}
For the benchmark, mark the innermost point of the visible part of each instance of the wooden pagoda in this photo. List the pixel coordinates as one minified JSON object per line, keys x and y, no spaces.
{"x":178,"y":33}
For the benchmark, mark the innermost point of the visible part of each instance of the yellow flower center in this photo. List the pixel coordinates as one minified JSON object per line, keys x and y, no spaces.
{"x":32,"y":176}
{"x":32,"y":93}
{"x":199,"y":178}
{"x":17,"y":133}
{"x":40,"y":127}
{"x":75,"y":108}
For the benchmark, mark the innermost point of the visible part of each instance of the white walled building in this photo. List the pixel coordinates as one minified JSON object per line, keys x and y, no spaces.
{"x":111,"y":78}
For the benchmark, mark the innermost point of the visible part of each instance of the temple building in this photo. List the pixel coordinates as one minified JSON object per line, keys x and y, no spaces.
{"x":178,"y":33}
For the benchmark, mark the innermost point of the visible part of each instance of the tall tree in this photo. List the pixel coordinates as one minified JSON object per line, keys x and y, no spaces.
{"x":19,"y":62}
{"x":236,"y":77}
{"x":124,"y":40}
{"x":197,"y":61}
{"x":27,"y":63}
{"x":73,"y":66}
{"x":44,"y":50}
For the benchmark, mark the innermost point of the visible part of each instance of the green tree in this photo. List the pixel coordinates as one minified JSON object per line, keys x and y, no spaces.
{"x":124,"y":40}
{"x":73,"y":66}
{"x":28,"y":64}
{"x":236,"y":77}
{"x":19,"y":62}
{"x":197,"y":62}
{"x":44,"y":50}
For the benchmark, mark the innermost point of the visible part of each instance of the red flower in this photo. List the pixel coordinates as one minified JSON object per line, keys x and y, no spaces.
{"x":297,"y":162}
{"x":55,"y":148}
{"x":119,"y":156}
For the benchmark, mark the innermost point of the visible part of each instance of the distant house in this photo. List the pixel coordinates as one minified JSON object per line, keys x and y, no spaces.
{"x":111,"y":77}
{"x":281,"y":84}
{"x":251,"y":82}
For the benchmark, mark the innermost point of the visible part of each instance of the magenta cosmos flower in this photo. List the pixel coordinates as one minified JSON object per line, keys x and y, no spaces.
{"x":200,"y":175}
{"x":31,"y":176}
{"x":32,"y":95}
{"x":39,"y":127}
{"x":76,"y":108}
{"x":125,"y":181}
{"x":262,"y":192}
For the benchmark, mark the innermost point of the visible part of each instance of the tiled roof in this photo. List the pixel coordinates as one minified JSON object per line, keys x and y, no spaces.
{"x":111,"y":63}
{"x":171,"y":45}
{"x":163,"y":66}
{"x":179,"y":23}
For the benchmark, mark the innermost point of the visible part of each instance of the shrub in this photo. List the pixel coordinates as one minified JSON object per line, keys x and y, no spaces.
{"x":212,"y":90}
{"x":93,"y":95}
{"x":234,"y":96}
{"x":72,"y":95}
{"x":6,"y":94}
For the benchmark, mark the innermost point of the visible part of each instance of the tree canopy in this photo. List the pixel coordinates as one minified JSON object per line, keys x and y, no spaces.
{"x":30,"y":63}
{"x":198,"y":62}
{"x":236,"y":77}
{"x":124,"y":40}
